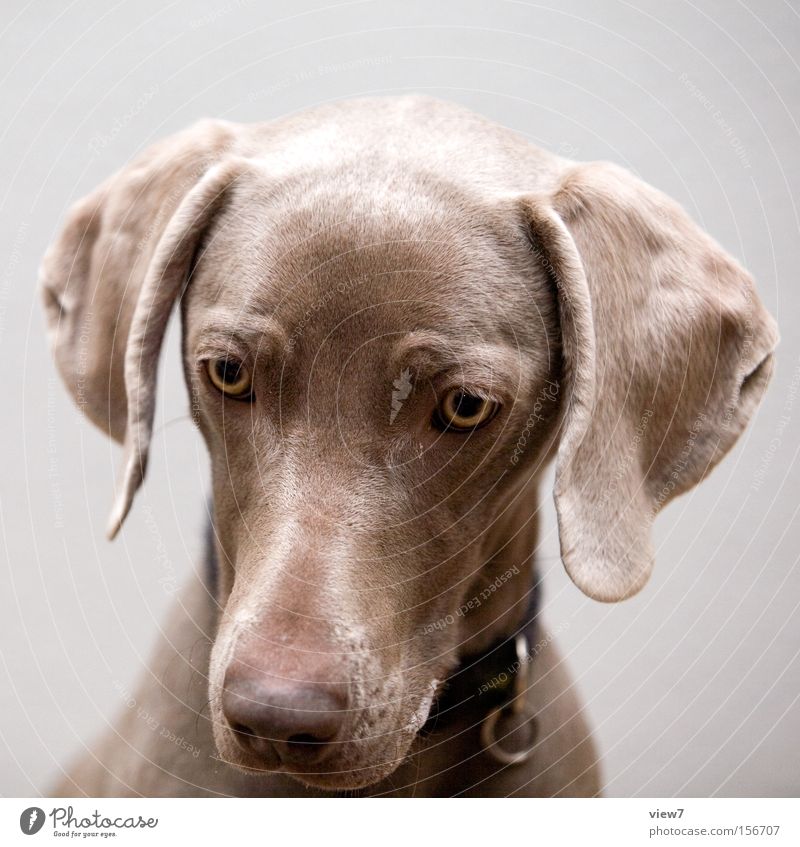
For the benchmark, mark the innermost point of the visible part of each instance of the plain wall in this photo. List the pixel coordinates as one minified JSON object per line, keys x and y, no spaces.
{"x":692,"y":686}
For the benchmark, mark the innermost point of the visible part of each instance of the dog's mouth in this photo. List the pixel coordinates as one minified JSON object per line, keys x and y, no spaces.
{"x":370,"y":751}
{"x":347,"y":765}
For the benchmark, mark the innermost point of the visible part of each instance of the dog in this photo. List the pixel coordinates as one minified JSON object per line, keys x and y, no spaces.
{"x":395,"y":315}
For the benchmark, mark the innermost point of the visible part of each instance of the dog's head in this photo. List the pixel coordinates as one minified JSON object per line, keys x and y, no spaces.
{"x":394,"y":314}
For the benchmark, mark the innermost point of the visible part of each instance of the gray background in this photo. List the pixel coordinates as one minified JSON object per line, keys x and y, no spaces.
{"x":693,"y":685}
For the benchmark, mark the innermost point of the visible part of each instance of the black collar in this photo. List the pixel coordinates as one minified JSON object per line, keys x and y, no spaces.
{"x":488,"y":680}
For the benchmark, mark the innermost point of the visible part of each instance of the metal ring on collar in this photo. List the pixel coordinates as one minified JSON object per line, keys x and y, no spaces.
{"x":517,"y":706}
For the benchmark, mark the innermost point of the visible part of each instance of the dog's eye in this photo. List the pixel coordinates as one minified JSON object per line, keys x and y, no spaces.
{"x":231,"y":377}
{"x":460,"y":411}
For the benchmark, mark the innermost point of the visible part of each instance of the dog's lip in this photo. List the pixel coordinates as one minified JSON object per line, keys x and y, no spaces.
{"x":329,"y":774}
{"x":344,"y":779}
{"x":332,"y":779}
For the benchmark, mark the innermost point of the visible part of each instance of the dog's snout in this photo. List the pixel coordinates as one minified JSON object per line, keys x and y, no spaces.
{"x":283,"y":721}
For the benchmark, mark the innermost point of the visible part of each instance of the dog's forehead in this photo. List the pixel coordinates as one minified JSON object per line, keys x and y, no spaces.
{"x":318,"y":254}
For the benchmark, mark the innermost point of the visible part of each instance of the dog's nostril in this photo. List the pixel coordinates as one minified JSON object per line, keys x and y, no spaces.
{"x":241,"y":729}
{"x":304,"y":739}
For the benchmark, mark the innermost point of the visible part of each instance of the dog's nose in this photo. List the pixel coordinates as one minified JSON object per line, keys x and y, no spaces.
{"x":300,"y":721}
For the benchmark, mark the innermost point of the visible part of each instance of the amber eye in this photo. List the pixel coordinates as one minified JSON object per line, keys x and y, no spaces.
{"x":230,"y":376}
{"x":460,"y":411}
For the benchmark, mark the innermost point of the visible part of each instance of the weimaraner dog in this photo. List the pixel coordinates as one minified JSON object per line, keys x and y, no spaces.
{"x":395,"y":315}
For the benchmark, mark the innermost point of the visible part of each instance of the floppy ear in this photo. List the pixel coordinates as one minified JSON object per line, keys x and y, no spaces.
{"x":667,"y":351}
{"x":111,"y":278}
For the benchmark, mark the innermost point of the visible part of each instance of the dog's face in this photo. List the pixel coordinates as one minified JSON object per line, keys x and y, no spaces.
{"x":362,"y":445}
{"x":394,"y":315}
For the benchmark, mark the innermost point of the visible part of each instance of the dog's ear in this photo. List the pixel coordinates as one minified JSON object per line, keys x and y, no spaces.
{"x":110,"y":279}
{"x":667,"y":351}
